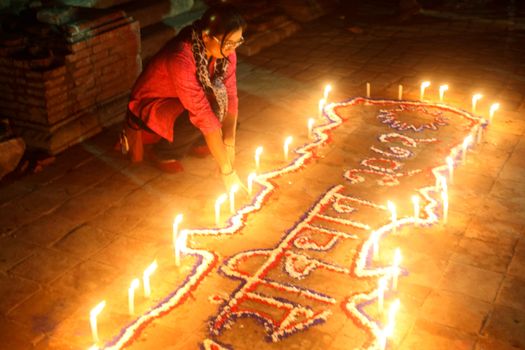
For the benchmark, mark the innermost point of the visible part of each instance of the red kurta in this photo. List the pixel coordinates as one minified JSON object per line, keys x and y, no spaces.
{"x":169,"y":85}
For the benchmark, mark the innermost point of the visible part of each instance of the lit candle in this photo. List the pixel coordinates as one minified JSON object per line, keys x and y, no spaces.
{"x":443,"y":183}
{"x":233,"y":189}
{"x":251,"y":178}
{"x":311,"y":123}
{"x":424,"y":85}
{"x":368,"y":90}
{"x":382,"y":285}
{"x":450,"y":165}
{"x":258,"y":152}
{"x":322,"y":102}
{"x":466,"y":143}
{"x":393,"y":214}
{"x":181,"y":244}
{"x":479,"y":134}
{"x":176,"y":223}
{"x":146,"y":276}
{"x":385,"y":333}
{"x":131,"y":295}
{"x":218,"y":203}
{"x":493,"y":109}
{"x":375,"y":244}
{"x":442,"y":90}
{"x":394,"y":308}
{"x":327,"y":90}
{"x":415,"y":202}
{"x":93,"y":314}
{"x":475,"y":100}
{"x":444,"y":197}
{"x":395,"y":267}
{"x":400,"y":92}
{"x":287,"y":142}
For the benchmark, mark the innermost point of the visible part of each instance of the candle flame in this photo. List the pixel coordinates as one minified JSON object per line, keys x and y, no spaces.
{"x":93,"y":314}
{"x":477,"y":97}
{"x":442,"y":90}
{"x":251,"y":179}
{"x":327,"y":90}
{"x":493,"y":108}
{"x":146,"y":275}
{"x":97,"y":310}
{"x":424,"y":85}
{"x":397,"y":257}
{"x":182,"y":240}
{"x":322,"y":102}
{"x":392,"y":208}
{"x":394,"y":308}
{"x":131,"y":295}
{"x":450,"y":162}
{"x":311,"y":123}
{"x":258,"y":152}
{"x":221,"y":199}
{"x":178,"y":219}
{"x":134,"y":284}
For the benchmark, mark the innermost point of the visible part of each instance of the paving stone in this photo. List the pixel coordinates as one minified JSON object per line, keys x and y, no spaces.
{"x":489,"y":344}
{"x":84,"y":241}
{"x":429,"y":335}
{"x":512,"y":293}
{"x":84,"y":278}
{"x":15,"y":336}
{"x":14,"y":290}
{"x":471,"y":281}
{"x":517,"y":265}
{"x":490,"y":256}
{"x":44,"y":266}
{"x":14,"y":250}
{"x":455,"y":311}
{"x":46,"y":230}
{"x":507,"y":324}
{"x":117,"y":254}
{"x":496,"y":232}
{"x":44,"y":310}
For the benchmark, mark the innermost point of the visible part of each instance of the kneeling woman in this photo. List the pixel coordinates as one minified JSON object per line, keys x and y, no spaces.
{"x":188,"y":92}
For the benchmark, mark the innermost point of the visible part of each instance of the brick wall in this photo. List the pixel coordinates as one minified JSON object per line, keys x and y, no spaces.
{"x":64,"y":96}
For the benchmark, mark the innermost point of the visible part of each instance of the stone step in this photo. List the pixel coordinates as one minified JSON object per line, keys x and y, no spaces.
{"x":155,"y":36}
{"x":147,"y":12}
{"x":272,"y":33}
{"x":306,"y":10}
{"x":99,"y":4}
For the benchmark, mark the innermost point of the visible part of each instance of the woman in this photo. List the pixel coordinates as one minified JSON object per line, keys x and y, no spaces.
{"x":188,"y":92}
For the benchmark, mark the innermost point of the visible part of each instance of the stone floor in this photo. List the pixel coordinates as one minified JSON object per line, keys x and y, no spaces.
{"x":80,"y":231}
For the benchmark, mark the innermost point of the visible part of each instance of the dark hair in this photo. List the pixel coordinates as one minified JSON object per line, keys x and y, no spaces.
{"x":221,"y":20}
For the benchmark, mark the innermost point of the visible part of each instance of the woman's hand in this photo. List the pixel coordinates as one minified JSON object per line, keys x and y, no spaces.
{"x":231,"y":179}
{"x":230,"y":151}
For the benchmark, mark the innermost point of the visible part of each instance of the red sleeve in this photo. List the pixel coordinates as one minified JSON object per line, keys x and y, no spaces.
{"x":181,"y":68}
{"x":230,"y":82}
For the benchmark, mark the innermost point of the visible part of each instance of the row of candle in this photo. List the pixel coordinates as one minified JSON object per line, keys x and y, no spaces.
{"x":424,"y":85}
{"x":135,"y":283}
{"x":179,"y":237}
{"x":382,"y":288}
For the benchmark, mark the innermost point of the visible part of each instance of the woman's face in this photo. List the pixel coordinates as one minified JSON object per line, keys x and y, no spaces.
{"x":231,"y":42}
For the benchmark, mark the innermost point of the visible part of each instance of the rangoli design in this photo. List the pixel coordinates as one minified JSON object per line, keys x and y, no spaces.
{"x":334,"y":239}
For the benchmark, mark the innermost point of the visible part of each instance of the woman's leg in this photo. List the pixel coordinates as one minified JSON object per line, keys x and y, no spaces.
{"x":185,"y":135}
